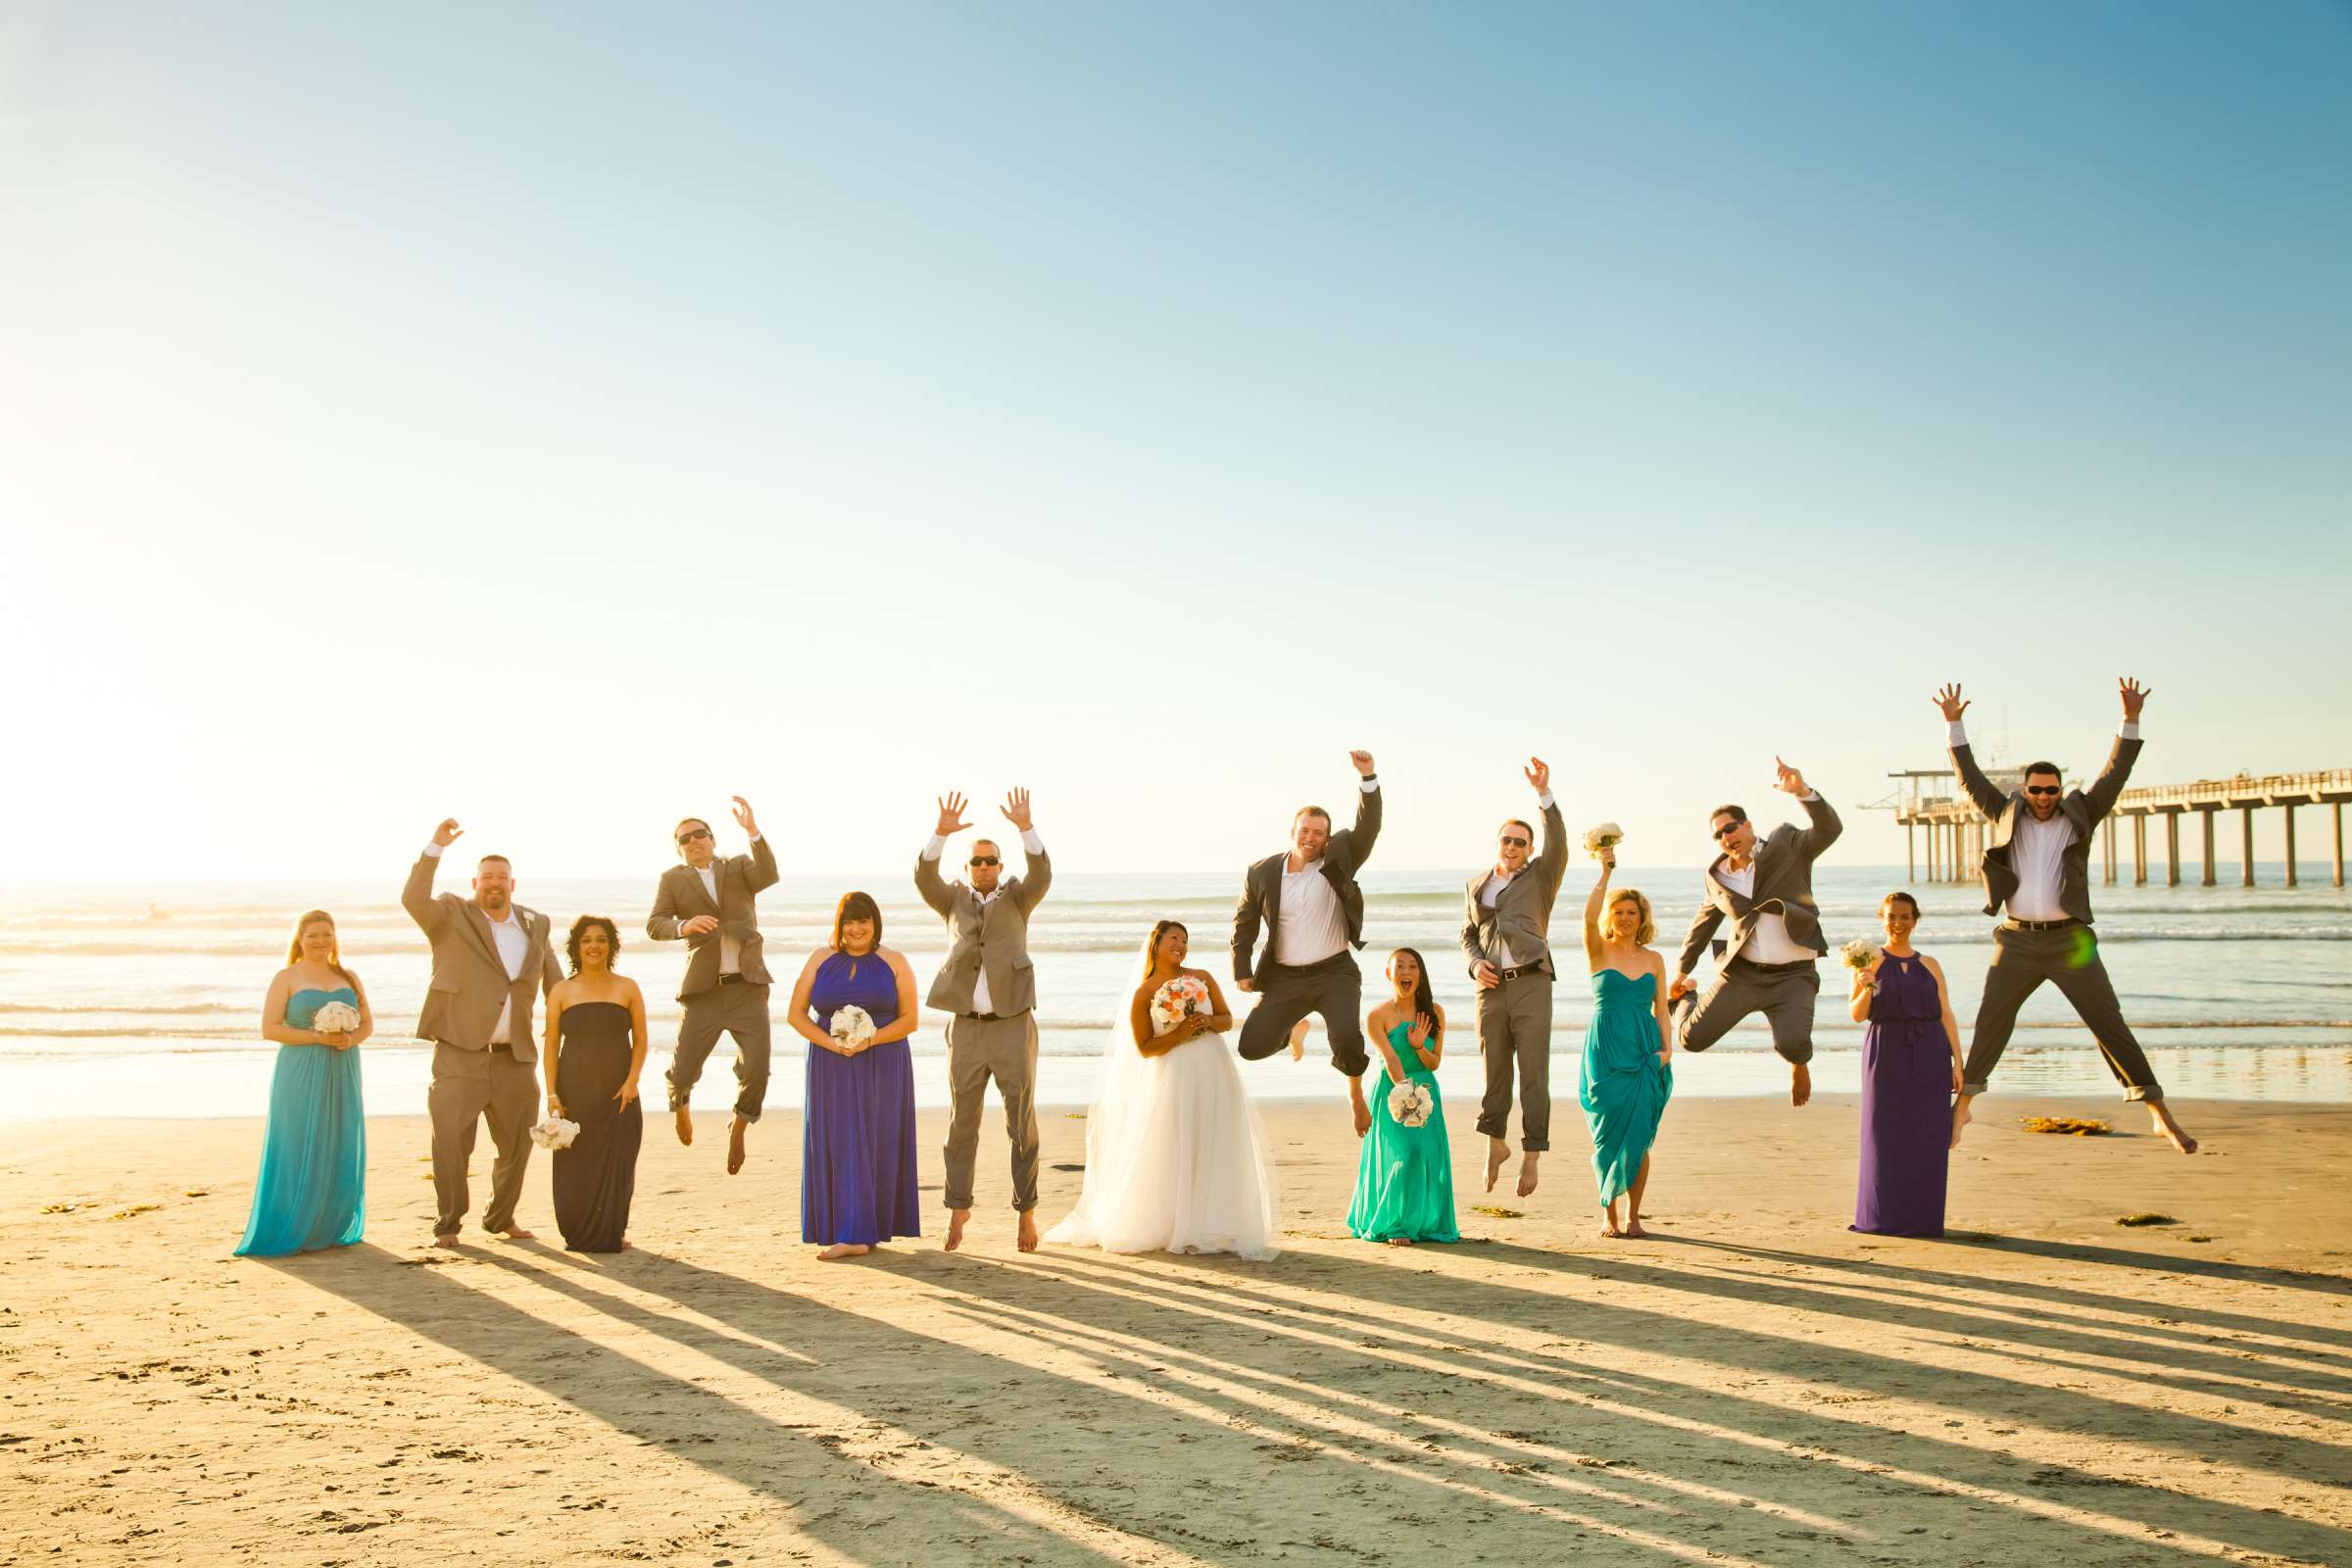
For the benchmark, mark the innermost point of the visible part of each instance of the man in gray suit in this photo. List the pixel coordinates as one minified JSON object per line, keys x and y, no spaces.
{"x":491,"y":960}
{"x":2037,"y":862}
{"x":1506,"y":938}
{"x":989,"y":993}
{"x":1766,"y":891}
{"x":708,"y":903}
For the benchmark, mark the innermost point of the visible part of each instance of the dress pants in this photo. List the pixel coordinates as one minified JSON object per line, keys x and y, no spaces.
{"x":2069,"y":958}
{"x":1333,"y":988}
{"x":1514,"y":1034}
{"x":1005,"y":1049}
{"x":739,"y":1010}
{"x":469,"y":1085}
{"x":1785,"y":993}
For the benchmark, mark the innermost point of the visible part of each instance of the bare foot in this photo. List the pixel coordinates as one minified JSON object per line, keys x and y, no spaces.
{"x":841,"y":1249}
{"x":955,"y":1219}
{"x":684,"y":1119}
{"x":450,"y":1241}
{"x":1527,"y":1175}
{"x":2171,"y":1128}
{"x":1960,"y":1117}
{"x":1028,"y":1237}
{"x":516,"y":1233}
{"x":735,"y":1131}
{"x":1496,"y":1152}
{"x":1608,"y":1228}
{"x":1633,"y":1227}
{"x":1800,"y":1083}
{"x":1401,"y":1241}
{"x":1298,"y":1040}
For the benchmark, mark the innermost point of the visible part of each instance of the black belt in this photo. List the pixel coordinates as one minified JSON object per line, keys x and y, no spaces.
{"x":732,"y":979}
{"x":1774,"y":968}
{"x":2039,"y":925}
{"x":1520,"y":969}
{"x":982,"y":1017}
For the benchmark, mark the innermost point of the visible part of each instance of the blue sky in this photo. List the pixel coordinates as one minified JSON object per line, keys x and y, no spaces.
{"x":563,"y":417}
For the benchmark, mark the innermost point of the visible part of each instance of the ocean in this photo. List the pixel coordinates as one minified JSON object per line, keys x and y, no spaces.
{"x":120,"y":1001}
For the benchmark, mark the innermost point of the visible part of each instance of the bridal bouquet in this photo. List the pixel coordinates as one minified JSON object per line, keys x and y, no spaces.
{"x":1410,"y":1102}
{"x":1180,"y":999}
{"x":554,"y":1132}
{"x":852,"y":1026}
{"x":335,"y":1018}
{"x":1860,"y":953}
{"x":1604,"y":837}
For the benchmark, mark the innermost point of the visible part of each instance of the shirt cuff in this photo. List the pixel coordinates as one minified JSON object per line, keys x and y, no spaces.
{"x":432,"y":851}
{"x":1371,"y":784}
{"x":936,"y":848}
{"x":1810,"y":795}
{"x":1956,"y":733}
{"x":1544,"y":802}
{"x":1031,"y":843}
{"x":2127,"y":730}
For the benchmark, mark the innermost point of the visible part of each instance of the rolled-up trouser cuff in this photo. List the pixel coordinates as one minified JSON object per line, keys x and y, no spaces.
{"x":1976,"y":1088}
{"x":2152,"y":1093}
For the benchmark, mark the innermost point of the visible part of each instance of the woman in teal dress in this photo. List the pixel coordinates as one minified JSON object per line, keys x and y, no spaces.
{"x":1405,"y":1176}
{"x":312,"y":1192}
{"x":1626,"y":1079}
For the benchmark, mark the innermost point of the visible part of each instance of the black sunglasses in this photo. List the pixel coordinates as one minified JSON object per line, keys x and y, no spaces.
{"x":1514,"y":841}
{"x":692,"y":833}
{"x":2041,"y":789}
{"x":1727,"y":830}
{"x":984,"y":859}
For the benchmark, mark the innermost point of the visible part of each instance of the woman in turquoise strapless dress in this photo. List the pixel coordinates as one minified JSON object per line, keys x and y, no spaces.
{"x":1626,"y":1080}
{"x":1405,"y":1175}
{"x":312,"y":1192}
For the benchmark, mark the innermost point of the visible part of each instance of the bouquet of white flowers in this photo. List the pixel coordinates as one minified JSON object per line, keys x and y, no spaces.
{"x":554,"y":1132}
{"x":1860,"y":953}
{"x":853,"y":1026}
{"x":1410,"y":1103}
{"x":1604,"y":837}
{"x":335,"y":1018}
{"x":1180,"y":999}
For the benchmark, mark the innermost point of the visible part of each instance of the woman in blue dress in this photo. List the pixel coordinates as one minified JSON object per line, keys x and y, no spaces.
{"x":1626,"y":1079}
{"x":858,"y":1179}
{"x":312,"y":1191}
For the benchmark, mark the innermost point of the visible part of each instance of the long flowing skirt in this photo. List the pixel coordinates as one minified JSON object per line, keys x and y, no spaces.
{"x":857,"y":1175}
{"x":1178,"y":1163}
{"x":1405,"y":1175}
{"x":1624,"y":1089}
{"x":596,"y":1178}
{"x":1906,"y":1128}
{"x":312,"y":1188}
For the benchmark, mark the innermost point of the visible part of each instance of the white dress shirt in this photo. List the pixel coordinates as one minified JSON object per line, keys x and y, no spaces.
{"x":1496,"y":880}
{"x":1313,"y":926}
{"x":513,"y":946}
{"x":2037,"y":848}
{"x":1030,"y":844}
{"x":730,"y":950}
{"x":1769,"y":942}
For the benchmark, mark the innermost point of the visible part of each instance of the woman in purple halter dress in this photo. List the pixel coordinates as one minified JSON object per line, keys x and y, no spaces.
{"x":857,"y":1180}
{"x":1910,"y":1071}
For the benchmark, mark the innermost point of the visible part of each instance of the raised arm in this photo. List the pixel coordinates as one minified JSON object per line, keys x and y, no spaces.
{"x":2103,"y":791}
{"x":1824,"y":828}
{"x":1553,"y":863}
{"x":761,"y":873}
{"x":1427,"y":1037}
{"x":417,"y":893}
{"x":928,"y":883}
{"x":1594,"y":903}
{"x":1037,"y":866}
{"x":1973,"y":782}
{"x":1366,"y":830}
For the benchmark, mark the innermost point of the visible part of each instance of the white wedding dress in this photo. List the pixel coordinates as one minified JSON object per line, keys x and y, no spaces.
{"x":1175,"y":1158}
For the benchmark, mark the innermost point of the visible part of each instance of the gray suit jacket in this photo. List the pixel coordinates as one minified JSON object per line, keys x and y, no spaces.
{"x":995,"y":934}
{"x":1343,"y":854}
{"x":680,"y":898}
{"x":1783,"y":887}
{"x":469,"y":979}
{"x":1522,"y":913}
{"x":2084,"y":809}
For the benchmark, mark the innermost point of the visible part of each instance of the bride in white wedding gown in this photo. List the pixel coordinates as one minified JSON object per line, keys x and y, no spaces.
{"x":1175,"y":1158}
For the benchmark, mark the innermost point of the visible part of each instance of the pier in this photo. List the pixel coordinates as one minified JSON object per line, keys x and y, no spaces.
{"x":1929,"y":804}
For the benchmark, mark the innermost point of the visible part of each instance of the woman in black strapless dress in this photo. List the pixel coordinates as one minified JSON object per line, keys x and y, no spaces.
{"x":595,"y":1051}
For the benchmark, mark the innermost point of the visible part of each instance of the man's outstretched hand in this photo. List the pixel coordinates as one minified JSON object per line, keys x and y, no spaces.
{"x":1362,"y":762}
{"x":2135,"y":696}
{"x":951,"y":815}
{"x":448,"y":832}
{"x":1948,"y":699}
{"x":1791,"y":781}
{"x":1538,"y":774}
{"x":1016,"y":810}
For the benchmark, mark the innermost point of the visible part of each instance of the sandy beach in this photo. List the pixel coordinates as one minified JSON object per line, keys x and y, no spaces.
{"x":1756,"y":1384}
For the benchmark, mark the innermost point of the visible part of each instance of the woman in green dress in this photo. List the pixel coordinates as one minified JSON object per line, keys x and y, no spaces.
{"x":1626,"y":1079}
{"x":1405,"y":1176}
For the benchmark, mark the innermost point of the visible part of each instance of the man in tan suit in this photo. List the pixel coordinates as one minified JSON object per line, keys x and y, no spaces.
{"x":989,"y":992}
{"x":491,"y":959}
{"x":1506,"y":940}
{"x":711,"y":905}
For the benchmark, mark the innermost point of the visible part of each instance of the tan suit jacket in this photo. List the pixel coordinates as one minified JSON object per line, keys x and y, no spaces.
{"x":1522,"y":912}
{"x":995,"y":933}
{"x":680,"y":896}
{"x":469,"y":979}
